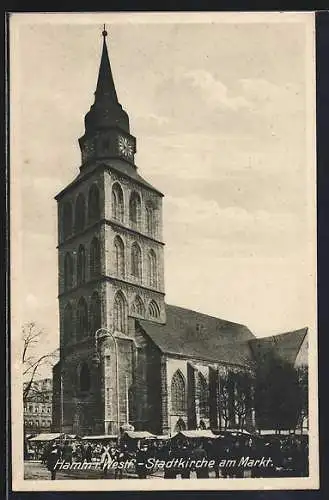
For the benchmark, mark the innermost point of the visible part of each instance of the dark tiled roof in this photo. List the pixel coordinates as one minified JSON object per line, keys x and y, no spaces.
{"x":286,"y":345}
{"x":193,"y":334}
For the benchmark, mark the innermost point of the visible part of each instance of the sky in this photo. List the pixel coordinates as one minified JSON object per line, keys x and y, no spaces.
{"x":222,"y":112}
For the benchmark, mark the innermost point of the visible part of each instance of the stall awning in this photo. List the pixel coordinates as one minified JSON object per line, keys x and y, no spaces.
{"x":197,"y":434}
{"x":46,"y":437}
{"x":99,"y":438}
{"x":140,"y":435}
{"x":163,"y":437}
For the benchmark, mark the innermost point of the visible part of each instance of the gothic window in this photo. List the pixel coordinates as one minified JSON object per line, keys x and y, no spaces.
{"x":138,"y":306}
{"x":82,"y":318}
{"x":94,"y":212}
{"x":117,"y":202}
{"x":95,"y":313}
{"x":80,"y":213}
{"x":152,"y":268}
{"x":150,"y":219}
{"x":67,"y":220}
{"x":84,"y":378}
{"x":67,"y":323}
{"x":154,"y":310}
{"x":81,"y":265}
{"x":120,"y":312}
{"x":68,"y":272}
{"x":135,"y":209}
{"x":203,"y":395}
{"x":136,"y":261}
{"x":119,"y":256}
{"x":95,"y":258}
{"x":178,"y":393}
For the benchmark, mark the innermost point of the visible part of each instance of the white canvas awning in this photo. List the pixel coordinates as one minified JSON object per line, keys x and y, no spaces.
{"x":197,"y":434}
{"x":99,"y":438}
{"x":46,"y":437}
{"x":140,"y":435}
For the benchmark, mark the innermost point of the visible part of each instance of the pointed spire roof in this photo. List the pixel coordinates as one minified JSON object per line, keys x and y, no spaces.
{"x":105,"y":83}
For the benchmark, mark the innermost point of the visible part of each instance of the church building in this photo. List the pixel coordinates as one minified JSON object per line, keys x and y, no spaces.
{"x":126,"y":357}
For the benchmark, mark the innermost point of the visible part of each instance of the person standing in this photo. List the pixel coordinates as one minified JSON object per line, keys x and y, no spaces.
{"x":53,"y":456}
{"x":142,"y":456}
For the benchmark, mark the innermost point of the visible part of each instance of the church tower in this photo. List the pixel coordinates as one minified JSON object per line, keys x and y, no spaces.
{"x":111,"y":271}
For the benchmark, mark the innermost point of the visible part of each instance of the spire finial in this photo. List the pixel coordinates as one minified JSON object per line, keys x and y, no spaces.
{"x":104,"y":32}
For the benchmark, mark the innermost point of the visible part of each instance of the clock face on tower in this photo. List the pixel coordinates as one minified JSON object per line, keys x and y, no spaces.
{"x":126,"y":146}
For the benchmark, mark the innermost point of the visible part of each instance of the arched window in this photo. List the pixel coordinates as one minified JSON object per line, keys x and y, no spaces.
{"x":154,"y":310}
{"x":94,"y":212}
{"x":67,"y":220}
{"x":95,"y":258}
{"x":202,"y":425}
{"x":120,"y":312}
{"x":68,"y":272}
{"x":67,"y":323}
{"x":82,"y":319}
{"x":81,"y":265}
{"x":117,"y":202}
{"x":180,"y":425}
{"x":136,"y":261}
{"x":138,"y":306}
{"x":150,"y":219}
{"x":135,"y":209}
{"x":84,"y":378}
{"x":95,"y":313}
{"x":152,"y":268}
{"x":178,"y":394}
{"x":203,"y":395}
{"x":80,"y":217}
{"x":119,"y":250}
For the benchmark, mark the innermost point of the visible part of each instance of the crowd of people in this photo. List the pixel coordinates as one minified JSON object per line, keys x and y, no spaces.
{"x":227,"y":457}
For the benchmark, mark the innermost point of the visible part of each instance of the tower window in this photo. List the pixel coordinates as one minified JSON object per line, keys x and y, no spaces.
{"x":95,"y":258}
{"x":67,"y":323}
{"x":203,"y":395}
{"x":120,"y":312}
{"x":119,"y":256}
{"x":94,"y":212}
{"x":136,"y":261}
{"x":150,"y":219}
{"x":138,"y":306}
{"x":152,"y":268}
{"x":135,"y":209}
{"x":95,"y":313}
{"x":82,"y":319}
{"x":81,"y":265}
{"x":80,"y":213}
{"x":68,"y":272}
{"x":178,"y":393}
{"x":154,"y":310}
{"x":84,"y":378}
{"x":117,"y":202}
{"x":67,"y":220}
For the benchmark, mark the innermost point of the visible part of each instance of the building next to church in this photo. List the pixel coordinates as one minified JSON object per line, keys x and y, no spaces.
{"x":127,"y":357}
{"x":38,"y":407}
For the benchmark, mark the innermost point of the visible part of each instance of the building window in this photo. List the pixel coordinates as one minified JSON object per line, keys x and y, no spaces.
{"x":80,"y":211}
{"x":150,"y":219}
{"x":82,"y":317}
{"x":180,"y":425}
{"x":94,"y":212}
{"x":135,"y":209}
{"x":138,"y":306}
{"x":136,"y":261}
{"x":119,"y":257}
{"x":67,"y":220}
{"x":203,"y":395}
{"x":95,"y":258}
{"x":154,"y":310}
{"x":178,"y":395}
{"x":81,"y":265}
{"x":84,"y":379}
{"x":95,"y":313}
{"x":152,"y":268}
{"x":117,"y":202}
{"x":120,"y":312}
{"x":68,"y":272}
{"x":68,"y":316}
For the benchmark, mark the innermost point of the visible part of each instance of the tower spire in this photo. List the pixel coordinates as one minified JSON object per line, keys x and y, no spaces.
{"x":105,"y":83}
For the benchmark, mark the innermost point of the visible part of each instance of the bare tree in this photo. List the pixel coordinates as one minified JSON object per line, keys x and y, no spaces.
{"x":32,"y":360}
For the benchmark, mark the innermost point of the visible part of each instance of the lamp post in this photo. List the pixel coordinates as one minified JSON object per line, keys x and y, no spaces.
{"x":102,"y":333}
